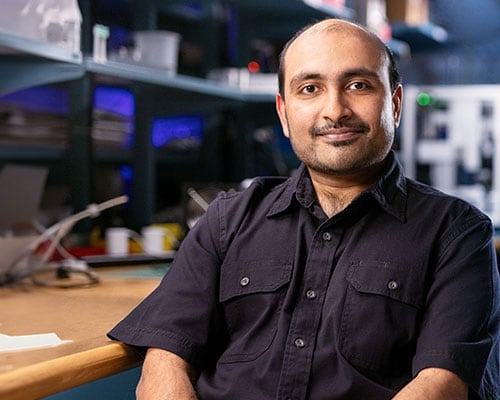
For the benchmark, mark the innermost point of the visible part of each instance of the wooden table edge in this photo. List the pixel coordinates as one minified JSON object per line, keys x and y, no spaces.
{"x":63,"y":373}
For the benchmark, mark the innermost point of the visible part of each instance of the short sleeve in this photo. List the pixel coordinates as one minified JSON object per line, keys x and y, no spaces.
{"x":461,"y":311}
{"x":181,"y":315}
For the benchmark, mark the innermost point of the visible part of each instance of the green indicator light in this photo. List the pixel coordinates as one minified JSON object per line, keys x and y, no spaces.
{"x":424,"y":99}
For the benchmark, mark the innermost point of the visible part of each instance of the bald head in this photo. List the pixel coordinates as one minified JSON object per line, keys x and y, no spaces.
{"x":340,"y":27}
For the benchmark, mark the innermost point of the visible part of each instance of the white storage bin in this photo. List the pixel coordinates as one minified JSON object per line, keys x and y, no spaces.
{"x":52,"y":21}
{"x":157,"y":49}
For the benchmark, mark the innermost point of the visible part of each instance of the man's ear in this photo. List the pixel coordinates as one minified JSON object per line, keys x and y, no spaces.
{"x":397,"y":104}
{"x":280,"y":108}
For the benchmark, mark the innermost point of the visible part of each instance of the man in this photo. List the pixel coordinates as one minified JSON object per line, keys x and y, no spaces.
{"x":345,"y":281}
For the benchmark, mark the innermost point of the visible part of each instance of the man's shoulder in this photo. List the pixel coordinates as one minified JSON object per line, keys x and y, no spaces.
{"x":258,"y":199}
{"x":422,"y":196}
{"x":259,"y":187}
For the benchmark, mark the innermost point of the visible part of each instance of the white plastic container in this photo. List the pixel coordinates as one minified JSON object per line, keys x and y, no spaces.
{"x":117,"y":241}
{"x":53,"y":21}
{"x":153,"y":240}
{"x":158,"y":49}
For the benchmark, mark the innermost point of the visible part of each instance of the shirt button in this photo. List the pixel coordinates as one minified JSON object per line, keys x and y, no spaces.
{"x":311,"y":294}
{"x":244,"y":281}
{"x":299,"y":343}
{"x":327,"y":236}
{"x":392,"y":285}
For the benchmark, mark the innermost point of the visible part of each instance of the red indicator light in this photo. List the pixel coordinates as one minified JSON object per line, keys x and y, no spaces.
{"x":253,"y":67}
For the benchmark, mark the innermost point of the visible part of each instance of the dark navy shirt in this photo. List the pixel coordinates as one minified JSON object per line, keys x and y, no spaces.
{"x":269,"y":299}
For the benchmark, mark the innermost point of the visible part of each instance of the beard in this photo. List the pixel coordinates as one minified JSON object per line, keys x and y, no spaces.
{"x":342,"y":157}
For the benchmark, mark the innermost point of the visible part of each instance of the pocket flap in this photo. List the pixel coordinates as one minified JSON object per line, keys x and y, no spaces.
{"x":381,"y":278}
{"x":253,"y":277}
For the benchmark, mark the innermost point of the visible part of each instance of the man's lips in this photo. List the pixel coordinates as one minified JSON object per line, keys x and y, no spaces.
{"x":340,"y":134}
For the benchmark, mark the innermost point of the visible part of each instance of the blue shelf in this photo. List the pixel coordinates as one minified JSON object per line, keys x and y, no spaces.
{"x":16,"y":44}
{"x":22,"y":72}
{"x":420,"y":37}
{"x":27,"y":63}
{"x":157,"y":76}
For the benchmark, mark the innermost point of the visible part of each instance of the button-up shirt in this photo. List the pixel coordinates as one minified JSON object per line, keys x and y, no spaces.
{"x":268,"y":298}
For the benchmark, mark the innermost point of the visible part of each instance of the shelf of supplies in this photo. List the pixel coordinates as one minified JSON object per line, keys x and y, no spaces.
{"x":12,"y":44}
{"x":24,"y":71}
{"x":157,"y":76}
{"x":26,"y":63}
{"x":420,"y":37}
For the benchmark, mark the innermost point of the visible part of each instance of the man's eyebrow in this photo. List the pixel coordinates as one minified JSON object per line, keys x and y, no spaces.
{"x":305,"y":76}
{"x":356,"y":72}
{"x":362,"y":72}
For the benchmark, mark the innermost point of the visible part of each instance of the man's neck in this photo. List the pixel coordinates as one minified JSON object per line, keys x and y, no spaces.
{"x":335,"y":193}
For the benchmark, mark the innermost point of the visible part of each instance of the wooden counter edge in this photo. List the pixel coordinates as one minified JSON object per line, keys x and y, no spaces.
{"x":60,"y":374}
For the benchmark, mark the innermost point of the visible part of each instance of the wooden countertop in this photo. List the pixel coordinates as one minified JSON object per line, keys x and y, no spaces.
{"x":81,"y":315}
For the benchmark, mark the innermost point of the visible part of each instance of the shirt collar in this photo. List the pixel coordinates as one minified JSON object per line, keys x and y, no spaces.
{"x":389,"y":191}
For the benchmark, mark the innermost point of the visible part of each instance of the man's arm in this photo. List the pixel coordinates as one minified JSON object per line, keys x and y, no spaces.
{"x":165,"y":376}
{"x":434,"y":384}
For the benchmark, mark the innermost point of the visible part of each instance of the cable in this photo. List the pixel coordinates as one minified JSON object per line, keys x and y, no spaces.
{"x":202,"y":203}
{"x":55,"y":233}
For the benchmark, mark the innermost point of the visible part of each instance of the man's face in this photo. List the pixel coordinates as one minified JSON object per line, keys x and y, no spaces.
{"x":338,"y":110}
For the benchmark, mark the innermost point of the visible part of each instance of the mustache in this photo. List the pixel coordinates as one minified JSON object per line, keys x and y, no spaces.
{"x":358,"y":126}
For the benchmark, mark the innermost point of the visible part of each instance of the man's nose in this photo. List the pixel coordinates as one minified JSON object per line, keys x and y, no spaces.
{"x":336,"y":106}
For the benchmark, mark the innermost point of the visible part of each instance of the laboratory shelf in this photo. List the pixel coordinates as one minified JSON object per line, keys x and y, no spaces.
{"x":27,"y":63}
{"x":17,"y":44}
{"x":420,"y":37}
{"x":160,"y":77}
{"x":23,"y":71}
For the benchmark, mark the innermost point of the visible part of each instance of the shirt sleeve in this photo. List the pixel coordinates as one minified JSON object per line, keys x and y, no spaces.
{"x":462,"y":310}
{"x":182,"y":314}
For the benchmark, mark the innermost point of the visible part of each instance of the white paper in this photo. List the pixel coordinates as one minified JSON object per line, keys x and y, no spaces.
{"x":29,"y":342}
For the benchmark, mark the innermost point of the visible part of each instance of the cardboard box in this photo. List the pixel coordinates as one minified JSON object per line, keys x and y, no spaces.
{"x":411,"y":12}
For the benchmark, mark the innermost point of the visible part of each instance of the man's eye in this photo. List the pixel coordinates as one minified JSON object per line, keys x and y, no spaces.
{"x":309,"y":89}
{"x":357,"y":86}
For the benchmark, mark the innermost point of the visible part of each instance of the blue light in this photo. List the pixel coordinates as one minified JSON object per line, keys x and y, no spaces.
{"x":40,"y":99}
{"x":115,"y":100}
{"x":168,"y":130}
{"x":126,"y":172}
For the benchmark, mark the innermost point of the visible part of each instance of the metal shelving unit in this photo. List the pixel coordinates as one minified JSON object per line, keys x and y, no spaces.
{"x":26,"y":63}
{"x":156,"y":76}
{"x":420,"y":37}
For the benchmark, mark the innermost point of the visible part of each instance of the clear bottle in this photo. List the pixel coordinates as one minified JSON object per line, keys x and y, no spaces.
{"x":101,"y":35}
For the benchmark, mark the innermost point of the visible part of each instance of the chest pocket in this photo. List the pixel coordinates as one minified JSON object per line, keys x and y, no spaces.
{"x":378,"y":329}
{"x":251,"y":295}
